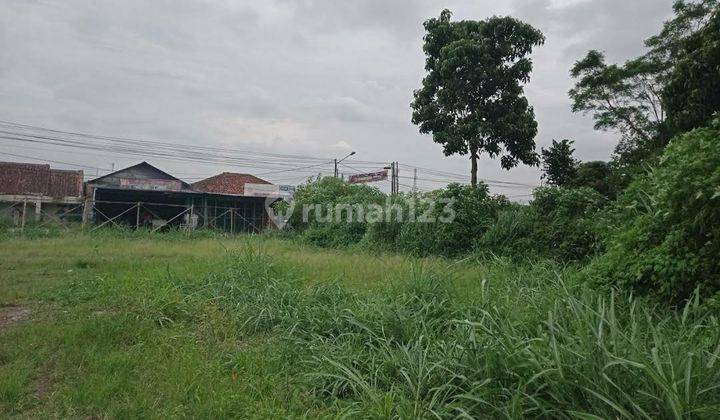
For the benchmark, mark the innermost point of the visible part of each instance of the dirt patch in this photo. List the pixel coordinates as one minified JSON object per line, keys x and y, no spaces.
{"x":43,"y":385}
{"x":11,"y":315}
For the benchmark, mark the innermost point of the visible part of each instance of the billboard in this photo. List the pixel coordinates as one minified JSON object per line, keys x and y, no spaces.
{"x":269,"y":190}
{"x":151,"y":184}
{"x":368,"y":177}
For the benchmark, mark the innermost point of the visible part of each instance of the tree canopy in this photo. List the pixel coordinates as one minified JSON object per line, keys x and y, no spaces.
{"x":471,"y":99}
{"x":668,"y":90}
{"x":558,"y":164}
{"x":692,"y":93}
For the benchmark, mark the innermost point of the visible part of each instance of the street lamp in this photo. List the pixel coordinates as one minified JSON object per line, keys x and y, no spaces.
{"x":338,"y":161}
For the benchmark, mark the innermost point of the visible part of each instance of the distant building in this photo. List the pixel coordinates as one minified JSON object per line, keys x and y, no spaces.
{"x":228,"y":183}
{"x":143,"y":195}
{"x":39,"y":192}
{"x":139,"y":196}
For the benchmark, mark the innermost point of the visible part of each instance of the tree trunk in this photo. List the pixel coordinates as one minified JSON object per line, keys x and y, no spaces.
{"x":473,"y":167}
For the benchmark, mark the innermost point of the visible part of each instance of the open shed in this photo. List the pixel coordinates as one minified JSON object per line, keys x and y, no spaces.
{"x":145,"y":196}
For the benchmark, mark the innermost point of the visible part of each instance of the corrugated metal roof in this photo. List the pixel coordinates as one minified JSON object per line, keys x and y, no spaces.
{"x":227,"y":183}
{"x":142,"y":176}
{"x":39,"y":179}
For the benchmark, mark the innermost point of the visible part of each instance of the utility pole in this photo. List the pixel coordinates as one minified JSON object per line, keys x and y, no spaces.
{"x":414,"y":180}
{"x":336,"y":171}
{"x":392,"y":178}
{"x":397,"y":178}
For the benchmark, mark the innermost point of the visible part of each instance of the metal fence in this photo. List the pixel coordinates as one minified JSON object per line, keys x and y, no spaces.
{"x":96,"y":214}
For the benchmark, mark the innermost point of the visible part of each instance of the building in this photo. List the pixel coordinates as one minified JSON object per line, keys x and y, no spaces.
{"x":145,"y":196}
{"x":141,"y":196}
{"x":30,"y":191}
{"x":138,"y":196}
{"x":227,"y":204}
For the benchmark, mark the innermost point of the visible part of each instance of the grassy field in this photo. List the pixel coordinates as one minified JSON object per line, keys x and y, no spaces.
{"x":124,"y":326}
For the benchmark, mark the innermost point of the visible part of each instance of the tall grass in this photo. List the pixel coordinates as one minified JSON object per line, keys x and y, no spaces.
{"x":258,"y":332}
{"x":555,"y":348}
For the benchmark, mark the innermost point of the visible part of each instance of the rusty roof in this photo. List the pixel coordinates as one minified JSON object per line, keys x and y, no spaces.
{"x":227,"y":183}
{"x":39,"y":179}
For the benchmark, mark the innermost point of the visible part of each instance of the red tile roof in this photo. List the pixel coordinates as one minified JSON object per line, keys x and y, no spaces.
{"x":64,"y":183}
{"x":227,"y":183}
{"x":39,"y":179}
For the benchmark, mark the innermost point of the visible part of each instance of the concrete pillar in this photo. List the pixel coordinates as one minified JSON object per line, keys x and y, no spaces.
{"x":88,"y":214}
{"x":38,"y":210}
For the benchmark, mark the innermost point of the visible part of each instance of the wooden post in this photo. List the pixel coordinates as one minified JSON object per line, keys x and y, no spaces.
{"x":137,"y":216}
{"x":190,"y":218}
{"x":22,"y":222}
{"x":232,"y":220}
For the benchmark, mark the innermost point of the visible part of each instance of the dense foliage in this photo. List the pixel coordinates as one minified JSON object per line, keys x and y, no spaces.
{"x":328,"y":211}
{"x":693,"y":91}
{"x":473,"y":209}
{"x":667,"y":241}
{"x":560,"y":223}
{"x":670,"y":89}
{"x":597,"y":175}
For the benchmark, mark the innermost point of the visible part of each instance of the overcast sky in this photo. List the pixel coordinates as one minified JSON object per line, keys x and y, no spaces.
{"x":317,"y":78}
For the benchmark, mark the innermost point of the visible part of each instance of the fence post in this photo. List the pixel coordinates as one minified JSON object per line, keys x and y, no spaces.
{"x":190,"y":218}
{"x":232,"y":221}
{"x":22,"y":222}
{"x":137,"y":217}
{"x":38,"y":210}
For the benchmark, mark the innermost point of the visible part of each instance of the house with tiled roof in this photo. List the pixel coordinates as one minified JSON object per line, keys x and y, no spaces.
{"x":31,"y":191}
{"x":227,"y":183}
{"x":144,"y":195}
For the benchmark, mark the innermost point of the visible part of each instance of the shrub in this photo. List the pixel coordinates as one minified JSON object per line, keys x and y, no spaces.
{"x":667,"y":239}
{"x":597,"y":175}
{"x":512,"y":234}
{"x":322,"y":225}
{"x":460,"y":214}
{"x":562,"y":223}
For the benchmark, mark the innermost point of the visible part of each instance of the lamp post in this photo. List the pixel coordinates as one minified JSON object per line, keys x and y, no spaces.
{"x":338,"y":161}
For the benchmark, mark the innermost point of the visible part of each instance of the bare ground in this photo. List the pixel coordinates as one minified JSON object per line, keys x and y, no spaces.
{"x":11,"y":315}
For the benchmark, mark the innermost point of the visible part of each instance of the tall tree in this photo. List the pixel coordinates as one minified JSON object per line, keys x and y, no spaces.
{"x":471,"y":99}
{"x":559,"y":165}
{"x":692,"y":93}
{"x":633,"y":98}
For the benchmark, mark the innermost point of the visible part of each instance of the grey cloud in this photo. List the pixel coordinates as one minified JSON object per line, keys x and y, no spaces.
{"x":616,"y":26}
{"x":280,"y":75}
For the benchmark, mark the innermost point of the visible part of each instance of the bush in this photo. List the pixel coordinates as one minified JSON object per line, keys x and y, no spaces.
{"x":461,"y":214}
{"x":597,"y":175}
{"x":561,"y":223}
{"x":512,"y":234}
{"x":321,"y":224}
{"x":667,"y":238}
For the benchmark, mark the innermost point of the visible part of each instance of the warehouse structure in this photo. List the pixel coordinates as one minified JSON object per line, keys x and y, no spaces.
{"x":138,"y":196}
{"x":145,"y":196}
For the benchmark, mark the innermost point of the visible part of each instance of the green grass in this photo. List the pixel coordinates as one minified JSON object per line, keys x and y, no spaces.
{"x":127,"y":325}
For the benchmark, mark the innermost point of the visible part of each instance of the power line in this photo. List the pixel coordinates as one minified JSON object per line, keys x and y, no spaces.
{"x":274,"y":163}
{"x":53,"y":161}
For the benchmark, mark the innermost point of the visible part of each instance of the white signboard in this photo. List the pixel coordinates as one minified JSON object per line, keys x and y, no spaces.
{"x":151,"y":184}
{"x":269,"y":190}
